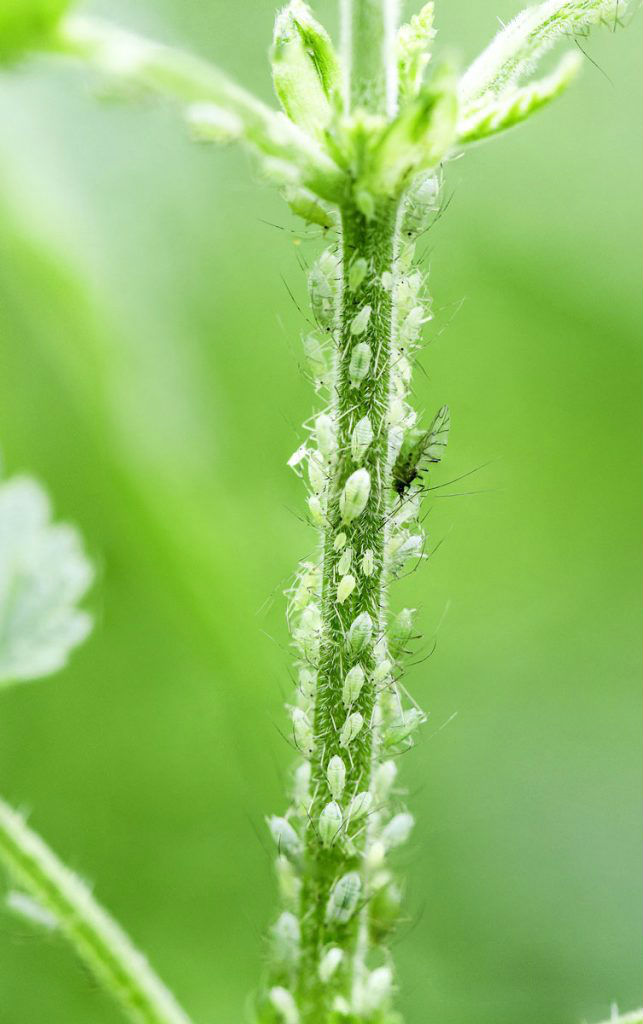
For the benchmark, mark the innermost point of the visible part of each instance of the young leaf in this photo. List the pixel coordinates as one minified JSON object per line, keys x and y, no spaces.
{"x":305,"y":71}
{"x":413,"y":54}
{"x":516,"y":105}
{"x":517,"y":48}
{"x":43,"y":574}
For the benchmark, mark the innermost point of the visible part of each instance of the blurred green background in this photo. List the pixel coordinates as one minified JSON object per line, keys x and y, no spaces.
{"x":150,"y":376}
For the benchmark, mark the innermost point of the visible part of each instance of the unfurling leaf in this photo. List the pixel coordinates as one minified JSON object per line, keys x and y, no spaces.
{"x":305,"y":70}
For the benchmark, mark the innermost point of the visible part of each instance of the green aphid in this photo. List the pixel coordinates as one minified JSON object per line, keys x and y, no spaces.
{"x":428,"y":447}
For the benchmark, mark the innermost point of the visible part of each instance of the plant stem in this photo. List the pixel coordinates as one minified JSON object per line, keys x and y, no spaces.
{"x":374,"y":241}
{"x":97,"y":938}
{"x":368,"y":47}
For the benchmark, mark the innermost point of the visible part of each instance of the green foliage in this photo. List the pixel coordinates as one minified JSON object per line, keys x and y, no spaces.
{"x":28,"y":24}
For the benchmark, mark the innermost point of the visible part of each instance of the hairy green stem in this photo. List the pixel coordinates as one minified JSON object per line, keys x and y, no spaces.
{"x":374,"y":242}
{"x":98,"y":940}
{"x":368,"y":49}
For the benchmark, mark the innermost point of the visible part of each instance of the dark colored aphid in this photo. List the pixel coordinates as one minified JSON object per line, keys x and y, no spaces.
{"x":428,"y":447}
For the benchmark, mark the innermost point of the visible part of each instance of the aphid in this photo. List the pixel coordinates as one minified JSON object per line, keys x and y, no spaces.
{"x":360,"y":632}
{"x":355,"y":495}
{"x":344,"y":563}
{"x":352,"y":687}
{"x":387,"y":280}
{"x":360,"y":363}
{"x":316,"y":473}
{"x":304,"y":204}
{"x":428,"y":447}
{"x":336,"y":776}
{"x":308,"y":634}
{"x":288,"y":882}
{"x":301,"y":788}
{"x":368,"y":562}
{"x":316,"y":357}
{"x":325,"y":434}
{"x":360,"y":321}
{"x":343,"y":899}
{"x":382,"y":672}
{"x":339,"y":541}
{"x":316,"y":509}
{"x":302,"y":731}
{"x":330,"y":822}
{"x":307,"y":684}
{"x":361,"y":439}
{"x":384,"y":778}
{"x":345,"y":588}
{"x":401,"y":547}
{"x":360,"y":805}
{"x":398,"y":830}
{"x":285,"y":938}
{"x":350,"y":729}
{"x":322,"y":289}
{"x":284,"y":836}
{"x":329,"y":963}
{"x":404,"y":727}
{"x":284,"y":1003}
{"x":357,"y":273}
{"x":423,"y":200}
{"x":376,"y":989}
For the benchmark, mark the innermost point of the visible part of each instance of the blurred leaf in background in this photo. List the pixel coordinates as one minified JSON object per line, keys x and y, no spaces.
{"x":150,"y":374}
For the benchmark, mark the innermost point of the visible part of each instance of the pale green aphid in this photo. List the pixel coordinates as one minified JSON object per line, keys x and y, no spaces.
{"x":361,"y":439}
{"x":284,"y":836}
{"x":344,"y":563}
{"x":336,"y":776}
{"x":284,"y":1003}
{"x":345,"y":588}
{"x":360,"y":363}
{"x":343,"y":899}
{"x":352,"y":687}
{"x":355,"y":495}
{"x":330,"y":823}
{"x":360,"y":322}
{"x":340,"y":541}
{"x":358,"y":139}
{"x":357,"y":273}
{"x":286,"y":939}
{"x":329,"y":963}
{"x":398,"y":830}
{"x":368,"y":562}
{"x":360,"y":632}
{"x":351,"y":729}
{"x":360,"y":805}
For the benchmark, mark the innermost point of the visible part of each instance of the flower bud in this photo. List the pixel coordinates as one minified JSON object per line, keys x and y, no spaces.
{"x":343,"y":899}
{"x":355,"y":495}
{"x":353,"y":684}
{"x":350,"y":729}
{"x":304,"y":67}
